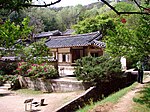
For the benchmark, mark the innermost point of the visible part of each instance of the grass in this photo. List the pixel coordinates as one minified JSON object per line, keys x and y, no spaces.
{"x":113,"y":98}
{"x":142,"y":100}
{"x":28,"y":92}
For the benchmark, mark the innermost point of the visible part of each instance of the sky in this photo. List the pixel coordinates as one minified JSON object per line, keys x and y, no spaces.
{"x":64,"y":3}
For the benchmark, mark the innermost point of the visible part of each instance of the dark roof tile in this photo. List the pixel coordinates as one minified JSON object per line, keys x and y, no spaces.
{"x":47,"y":34}
{"x":72,"y":41}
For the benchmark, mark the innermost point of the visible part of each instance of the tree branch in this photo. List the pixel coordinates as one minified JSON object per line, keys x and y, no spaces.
{"x":119,"y":13}
{"x":45,"y":5}
{"x":110,"y":6}
{"x":134,"y":13}
{"x":138,"y":4}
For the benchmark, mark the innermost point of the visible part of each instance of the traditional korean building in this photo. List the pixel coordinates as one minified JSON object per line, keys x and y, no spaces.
{"x":67,"y":49}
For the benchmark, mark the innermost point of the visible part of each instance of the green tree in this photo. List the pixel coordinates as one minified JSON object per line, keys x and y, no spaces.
{"x":35,"y":19}
{"x":129,"y":42}
{"x":100,"y":22}
{"x":68,"y":16}
{"x":10,"y":33}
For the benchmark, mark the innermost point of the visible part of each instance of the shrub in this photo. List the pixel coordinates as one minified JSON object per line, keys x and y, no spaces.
{"x":36,"y":70}
{"x":90,"y":69}
{"x":2,"y":72}
{"x":1,"y":79}
{"x":43,"y":70}
{"x":22,"y":68}
{"x":7,"y":67}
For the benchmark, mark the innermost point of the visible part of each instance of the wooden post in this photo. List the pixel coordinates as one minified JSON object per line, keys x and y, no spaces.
{"x":25,"y":106}
{"x":42,"y":102}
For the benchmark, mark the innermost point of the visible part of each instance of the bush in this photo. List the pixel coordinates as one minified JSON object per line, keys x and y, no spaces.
{"x":44,"y":70}
{"x":1,"y":80}
{"x":2,"y":72}
{"x":37,"y":70}
{"x":90,"y":69}
{"x":7,"y":67}
{"x":22,"y":68}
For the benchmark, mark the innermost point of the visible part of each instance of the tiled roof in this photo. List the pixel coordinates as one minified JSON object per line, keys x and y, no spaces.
{"x":47,"y":34}
{"x":99,"y":43}
{"x":68,"y":32}
{"x":74,"y":41}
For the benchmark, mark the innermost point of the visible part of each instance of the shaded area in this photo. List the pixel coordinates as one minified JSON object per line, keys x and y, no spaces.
{"x":36,"y":110}
{"x":5,"y":94}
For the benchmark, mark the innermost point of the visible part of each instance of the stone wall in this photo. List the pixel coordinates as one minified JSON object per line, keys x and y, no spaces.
{"x":51,"y":85}
{"x":66,"y":86}
{"x":35,"y":84}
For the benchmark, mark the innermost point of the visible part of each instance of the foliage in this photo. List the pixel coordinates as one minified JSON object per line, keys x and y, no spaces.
{"x":119,"y":41}
{"x":129,"y":39}
{"x":36,"y":52}
{"x":62,"y":17}
{"x":106,"y":20}
{"x":7,"y":67}
{"x":129,"y":42}
{"x":22,"y":68}
{"x":142,"y":37}
{"x":10,"y":78}
{"x":1,"y":79}
{"x":100,"y":22}
{"x":54,"y":18}
{"x":44,"y":70}
{"x":2,"y":72}
{"x":15,"y":5}
{"x":90,"y":69}
{"x":36,"y":70}
{"x":35,"y":20}
{"x":10,"y":33}
{"x":125,"y":7}
{"x":144,"y":96}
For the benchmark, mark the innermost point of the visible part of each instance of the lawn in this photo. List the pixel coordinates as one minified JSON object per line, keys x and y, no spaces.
{"x":111,"y":99}
{"x":142,"y":100}
{"x":28,"y":92}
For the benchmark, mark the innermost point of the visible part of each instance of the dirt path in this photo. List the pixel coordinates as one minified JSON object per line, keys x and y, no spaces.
{"x":126,"y":102}
{"x":11,"y":102}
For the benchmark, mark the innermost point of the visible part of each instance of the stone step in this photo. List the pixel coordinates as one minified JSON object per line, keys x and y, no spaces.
{"x":7,"y":85}
{"x":4,"y":88}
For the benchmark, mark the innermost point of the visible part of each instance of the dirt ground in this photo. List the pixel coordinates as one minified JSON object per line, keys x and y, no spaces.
{"x":125,"y":103}
{"x":12,"y":102}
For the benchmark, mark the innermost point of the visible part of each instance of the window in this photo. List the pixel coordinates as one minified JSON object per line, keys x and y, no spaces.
{"x":64,"y":57}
